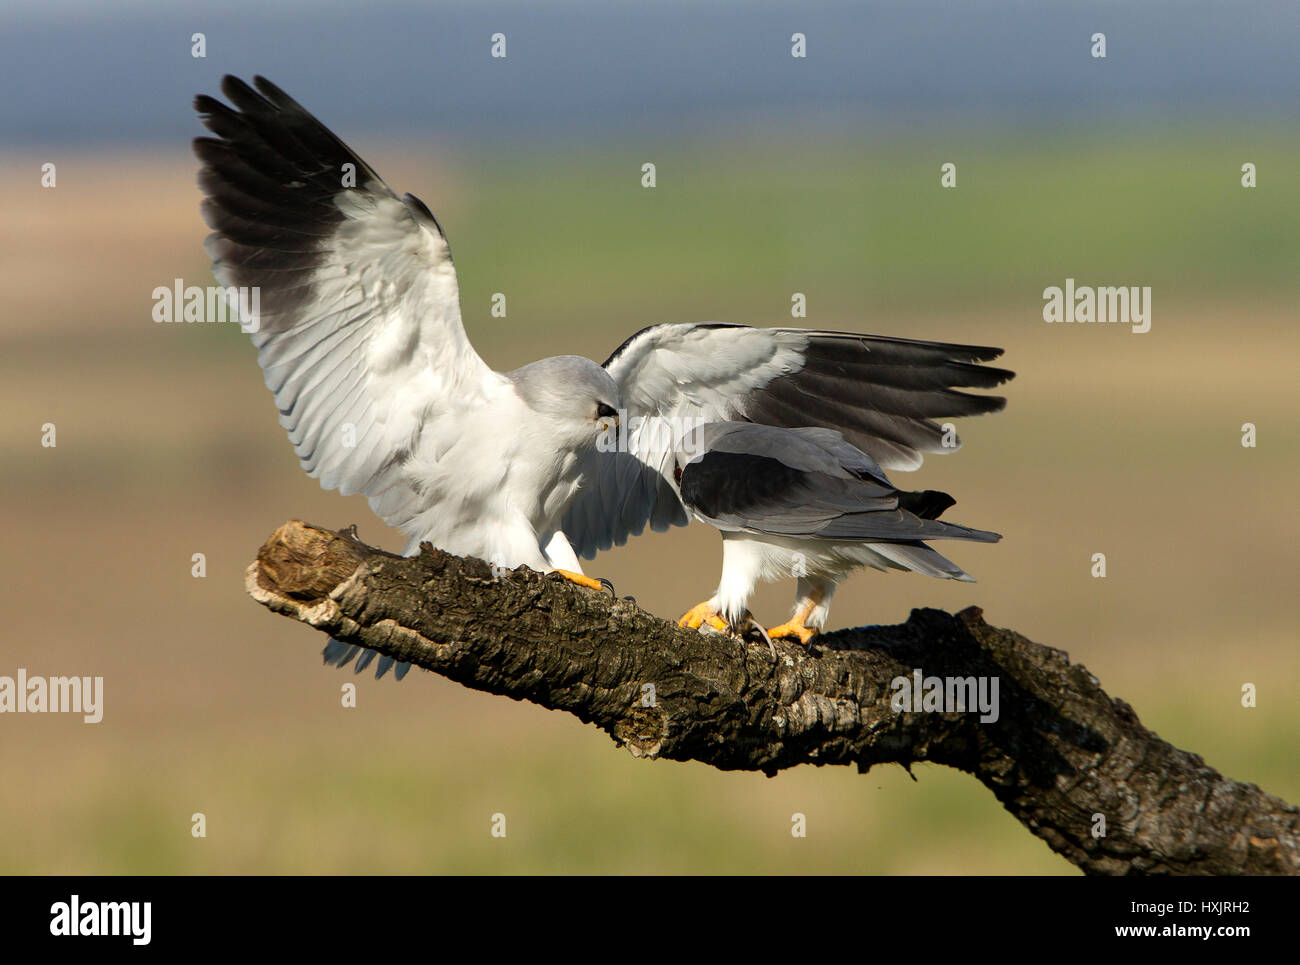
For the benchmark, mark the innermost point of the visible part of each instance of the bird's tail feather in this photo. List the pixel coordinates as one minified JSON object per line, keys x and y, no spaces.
{"x":919,"y":558}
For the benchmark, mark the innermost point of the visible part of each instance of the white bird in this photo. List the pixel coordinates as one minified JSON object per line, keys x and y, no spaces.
{"x":360,"y":338}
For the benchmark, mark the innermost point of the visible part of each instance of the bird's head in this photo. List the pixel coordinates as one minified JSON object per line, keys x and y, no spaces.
{"x":579,"y":401}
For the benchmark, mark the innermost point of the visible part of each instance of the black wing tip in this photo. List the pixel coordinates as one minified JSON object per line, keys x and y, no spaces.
{"x":201,"y":144}
{"x":235,"y":91}
{"x":238,"y":84}
{"x":261,"y":93}
{"x":969,"y":353}
{"x":983,"y":353}
{"x":236,"y":88}
{"x":207,"y":104}
{"x":970,"y":405}
{"x":275,"y":96}
{"x":989,"y":403}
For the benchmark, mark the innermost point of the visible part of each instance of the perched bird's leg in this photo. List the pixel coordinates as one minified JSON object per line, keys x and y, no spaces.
{"x":794,"y":627}
{"x":591,"y":583}
{"x":701,"y":613}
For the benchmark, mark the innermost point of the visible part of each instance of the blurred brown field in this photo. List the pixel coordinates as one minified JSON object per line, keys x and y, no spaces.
{"x":168,"y":445}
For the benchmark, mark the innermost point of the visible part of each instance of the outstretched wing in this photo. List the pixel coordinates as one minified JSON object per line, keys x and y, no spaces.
{"x":882,"y":394}
{"x":358,"y":331}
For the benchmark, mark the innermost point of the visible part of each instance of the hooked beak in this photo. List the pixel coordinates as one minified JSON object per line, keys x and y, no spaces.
{"x":607,"y":416}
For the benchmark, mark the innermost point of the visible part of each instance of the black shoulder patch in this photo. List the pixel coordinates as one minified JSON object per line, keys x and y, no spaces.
{"x":422,"y":213}
{"x":729,"y":483}
{"x":626,"y":342}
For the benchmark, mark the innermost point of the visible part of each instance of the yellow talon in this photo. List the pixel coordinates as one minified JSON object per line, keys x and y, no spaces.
{"x":792,"y":628}
{"x":587,"y":581}
{"x":701,"y":614}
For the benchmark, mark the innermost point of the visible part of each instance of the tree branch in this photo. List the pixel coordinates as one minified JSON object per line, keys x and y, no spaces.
{"x":1060,"y":752}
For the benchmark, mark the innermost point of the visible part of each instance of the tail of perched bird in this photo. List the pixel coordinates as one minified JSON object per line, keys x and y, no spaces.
{"x":921,"y":558}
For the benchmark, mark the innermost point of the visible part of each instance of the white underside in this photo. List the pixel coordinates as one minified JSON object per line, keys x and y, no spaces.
{"x":818,"y":565}
{"x":492,"y":489}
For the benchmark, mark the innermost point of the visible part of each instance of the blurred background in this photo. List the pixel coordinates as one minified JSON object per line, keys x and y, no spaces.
{"x":775,"y":175}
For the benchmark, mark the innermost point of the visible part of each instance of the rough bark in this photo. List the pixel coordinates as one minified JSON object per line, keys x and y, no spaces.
{"x":1061,"y":751}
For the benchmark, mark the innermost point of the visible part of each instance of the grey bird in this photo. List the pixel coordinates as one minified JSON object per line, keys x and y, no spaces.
{"x":803,"y":503}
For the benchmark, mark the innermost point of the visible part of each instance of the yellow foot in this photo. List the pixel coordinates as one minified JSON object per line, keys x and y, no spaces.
{"x":792,"y":628}
{"x":587,"y":581}
{"x":701,"y":614}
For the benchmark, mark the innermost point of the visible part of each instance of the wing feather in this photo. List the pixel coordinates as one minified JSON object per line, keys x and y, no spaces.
{"x":882,"y":394}
{"x":359,"y":332}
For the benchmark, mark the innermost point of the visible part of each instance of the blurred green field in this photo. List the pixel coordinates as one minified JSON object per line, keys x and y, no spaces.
{"x":865,"y":227}
{"x":168,"y":445}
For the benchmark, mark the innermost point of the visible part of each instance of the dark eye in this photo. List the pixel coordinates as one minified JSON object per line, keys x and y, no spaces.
{"x":604,"y":411}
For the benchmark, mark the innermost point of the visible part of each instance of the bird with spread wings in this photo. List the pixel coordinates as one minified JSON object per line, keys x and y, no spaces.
{"x":360,"y":338}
